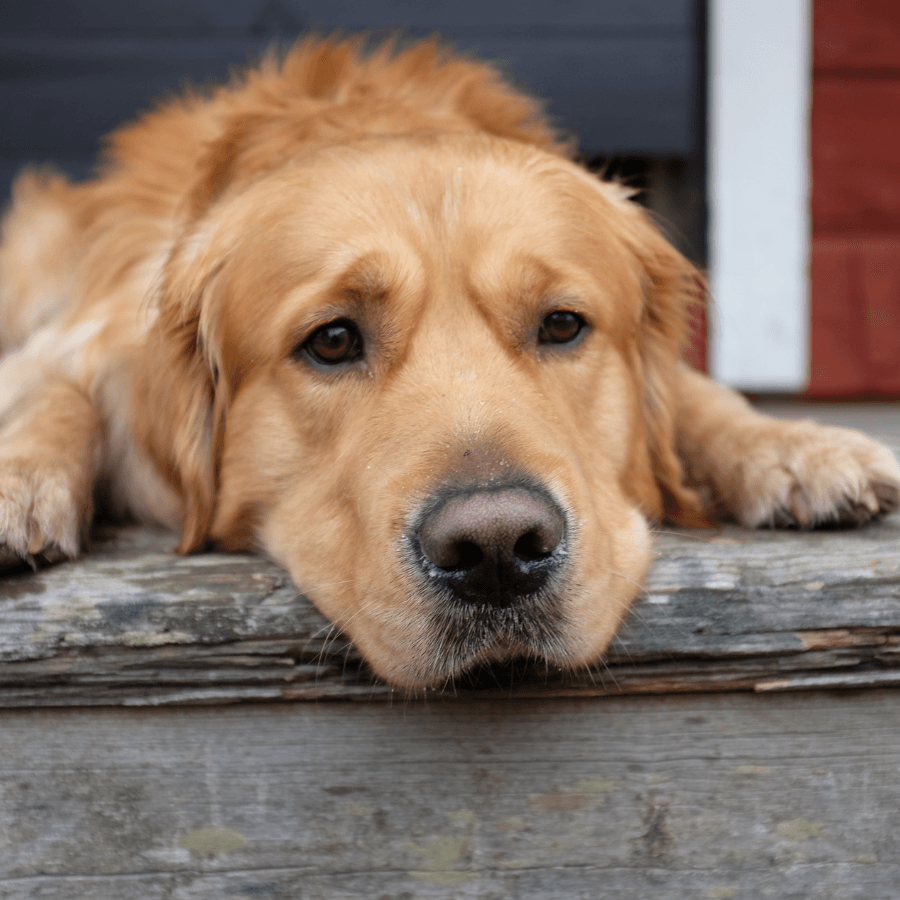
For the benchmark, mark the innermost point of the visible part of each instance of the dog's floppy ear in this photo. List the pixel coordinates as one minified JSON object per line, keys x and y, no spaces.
{"x":672,"y":290}
{"x":184,"y":432}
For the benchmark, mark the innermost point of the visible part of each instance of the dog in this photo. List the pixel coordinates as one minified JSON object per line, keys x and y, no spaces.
{"x":361,"y":311}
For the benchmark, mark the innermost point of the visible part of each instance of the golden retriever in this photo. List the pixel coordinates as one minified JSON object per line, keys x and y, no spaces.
{"x":365,"y":314}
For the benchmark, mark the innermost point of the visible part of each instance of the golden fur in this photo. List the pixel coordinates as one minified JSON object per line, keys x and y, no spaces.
{"x":516,"y":329}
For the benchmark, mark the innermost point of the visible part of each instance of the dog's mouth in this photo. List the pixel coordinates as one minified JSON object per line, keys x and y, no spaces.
{"x":460,"y":637}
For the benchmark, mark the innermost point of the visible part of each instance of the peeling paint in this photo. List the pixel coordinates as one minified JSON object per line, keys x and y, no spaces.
{"x":212,"y":841}
{"x":800,"y":829}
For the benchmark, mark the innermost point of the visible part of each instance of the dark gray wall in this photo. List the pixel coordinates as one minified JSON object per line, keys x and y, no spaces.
{"x":619,"y":74}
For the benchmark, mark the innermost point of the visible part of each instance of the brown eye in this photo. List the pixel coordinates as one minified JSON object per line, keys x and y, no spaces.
{"x":333,"y":344}
{"x":560,"y":327}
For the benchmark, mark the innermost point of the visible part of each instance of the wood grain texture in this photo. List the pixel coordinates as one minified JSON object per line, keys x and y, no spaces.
{"x":727,"y":609}
{"x":740,"y":797}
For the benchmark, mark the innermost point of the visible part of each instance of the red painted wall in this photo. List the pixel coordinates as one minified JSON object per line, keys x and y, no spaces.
{"x":855,"y":146}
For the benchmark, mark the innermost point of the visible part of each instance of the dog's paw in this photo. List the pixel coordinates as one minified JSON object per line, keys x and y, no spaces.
{"x":803,"y":474}
{"x":41,"y":513}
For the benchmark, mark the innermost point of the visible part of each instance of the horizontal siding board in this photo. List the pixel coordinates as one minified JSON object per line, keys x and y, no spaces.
{"x":856,"y":34}
{"x":617,"y":96}
{"x":213,"y":17}
{"x":855,"y":171}
{"x":58,"y":97}
{"x":62,"y":97}
{"x":855,"y":316}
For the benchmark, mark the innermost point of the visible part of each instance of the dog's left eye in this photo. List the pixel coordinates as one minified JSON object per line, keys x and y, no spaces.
{"x":333,"y":344}
{"x":560,"y":327}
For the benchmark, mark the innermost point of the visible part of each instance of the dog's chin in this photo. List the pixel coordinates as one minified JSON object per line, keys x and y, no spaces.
{"x":453,"y":640}
{"x":494,"y":666}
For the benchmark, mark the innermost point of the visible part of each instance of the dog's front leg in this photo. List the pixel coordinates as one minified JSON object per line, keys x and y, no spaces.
{"x":50,"y":450}
{"x":764,"y":471}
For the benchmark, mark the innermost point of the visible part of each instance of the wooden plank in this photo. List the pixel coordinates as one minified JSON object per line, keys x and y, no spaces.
{"x":726,"y":609}
{"x":856,"y":179}
{"x":736,"y":797}
{"x":855,"y":326}
{"x":861,"y":35}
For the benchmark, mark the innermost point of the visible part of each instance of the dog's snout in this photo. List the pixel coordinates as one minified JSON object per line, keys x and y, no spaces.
{"x":493,"y":546}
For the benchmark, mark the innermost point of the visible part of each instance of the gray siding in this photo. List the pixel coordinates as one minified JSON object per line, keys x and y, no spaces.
{"x":619,"y":74}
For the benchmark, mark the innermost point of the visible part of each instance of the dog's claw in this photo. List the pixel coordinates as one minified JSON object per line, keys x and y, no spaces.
{"x":39,"y":516}
{"x":814,"y":475}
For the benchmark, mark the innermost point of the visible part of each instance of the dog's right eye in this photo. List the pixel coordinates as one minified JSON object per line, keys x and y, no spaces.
{"x":560,"y":327}
{"x":334,"y":344}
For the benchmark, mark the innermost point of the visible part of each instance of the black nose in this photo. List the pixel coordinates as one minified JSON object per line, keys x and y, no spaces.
{"x":492,"y":546}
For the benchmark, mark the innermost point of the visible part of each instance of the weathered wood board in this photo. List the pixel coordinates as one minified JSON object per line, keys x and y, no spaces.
{"x":727,"y":609}
{"x":658,"y":798}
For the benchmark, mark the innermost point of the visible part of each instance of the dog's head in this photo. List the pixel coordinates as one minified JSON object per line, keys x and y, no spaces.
{"x":433,"y":377}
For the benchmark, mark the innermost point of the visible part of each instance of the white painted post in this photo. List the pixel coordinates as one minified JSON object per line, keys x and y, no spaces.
{"x":758,"y":157}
